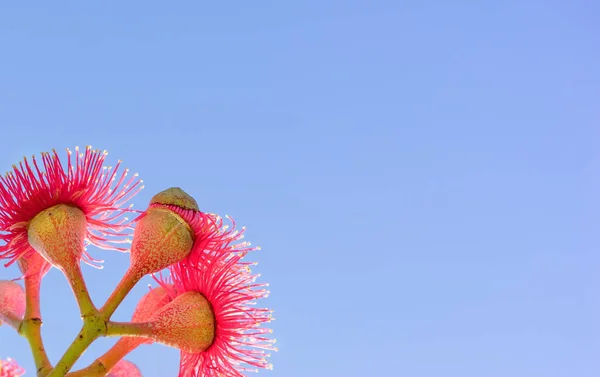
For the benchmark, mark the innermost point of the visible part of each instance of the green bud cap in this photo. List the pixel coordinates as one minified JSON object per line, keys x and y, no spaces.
{"x":177,"y":197}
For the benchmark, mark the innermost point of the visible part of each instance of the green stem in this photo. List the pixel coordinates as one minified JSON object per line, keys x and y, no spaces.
{"x":106,"y":362}
{"x":130,"y":329}
{"x":131,"y":334}
{"x":94,"y":321}
{"x":126,"y":284}
{"x":96,"y":369}
{"x":77,"y":282}
{"x":31,"y":327}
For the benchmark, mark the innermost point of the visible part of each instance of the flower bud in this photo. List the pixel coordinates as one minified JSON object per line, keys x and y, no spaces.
{"x":58,"y":234}
{"x":186,"y":323}
{"x":176,"y":197}
{"x":12,"y":301}
{"x":161,"y":237}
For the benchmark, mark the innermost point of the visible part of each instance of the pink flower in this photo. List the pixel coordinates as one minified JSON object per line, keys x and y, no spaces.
{"x":211,"y":235}
{"x":240,"y":341}
{"x":172,"y":229}
{"x":12,"y":302}
{"x":124,"y":368}
{"x":209,"y":231}
{"x":8,"y":368}
{"x":98,"y":192}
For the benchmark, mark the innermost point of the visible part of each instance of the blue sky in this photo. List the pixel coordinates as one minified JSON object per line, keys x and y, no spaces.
{"x":422,"y":176}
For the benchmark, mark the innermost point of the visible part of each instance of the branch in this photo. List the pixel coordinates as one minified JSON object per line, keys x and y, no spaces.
{"x":93,"y":327}
{"x":130,"y":329}
{"x":96,"y":369}
{"x":31,"y":327}
{"x":126,"y":284}
{"x":106,"y":362}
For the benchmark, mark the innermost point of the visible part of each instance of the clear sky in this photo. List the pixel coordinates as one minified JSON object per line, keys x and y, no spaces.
{"x":422,"y":175}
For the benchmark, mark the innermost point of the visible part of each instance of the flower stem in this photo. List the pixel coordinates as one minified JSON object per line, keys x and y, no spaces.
{"x":32,"y":322}
{"x":94,"y":321}
{"x":84,"y":301}
{"x":130,"y":329}
{"x":126,"y":284}
{"x":97,"y":368}
{"x":106,"y":362}
{"x":116,"y":353}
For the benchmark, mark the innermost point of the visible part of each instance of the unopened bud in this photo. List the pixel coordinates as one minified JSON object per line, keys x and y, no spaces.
{"x":176,"y":197}
{"x":186,"y":323}
{"x":58,"y":234}
{"x":12,"y":301}
{"x":162,"y":237}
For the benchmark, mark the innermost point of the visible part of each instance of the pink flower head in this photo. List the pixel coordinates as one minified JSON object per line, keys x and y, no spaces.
{"x":240,"y":342}
{"x":124,"y":368}
{"x":8,"y":368}
{"x":99,"y":192}
{"x":12,"y":301}
{"x":211,"y":235}
{"x":174,"y":221}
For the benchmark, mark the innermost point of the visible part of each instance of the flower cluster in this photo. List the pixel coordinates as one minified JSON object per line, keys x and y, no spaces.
{"x":205,"y":301}
{"x":8,"y":368}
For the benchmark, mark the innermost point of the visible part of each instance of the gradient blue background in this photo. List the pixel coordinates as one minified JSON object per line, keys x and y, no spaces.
{"x":422,"y":175}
